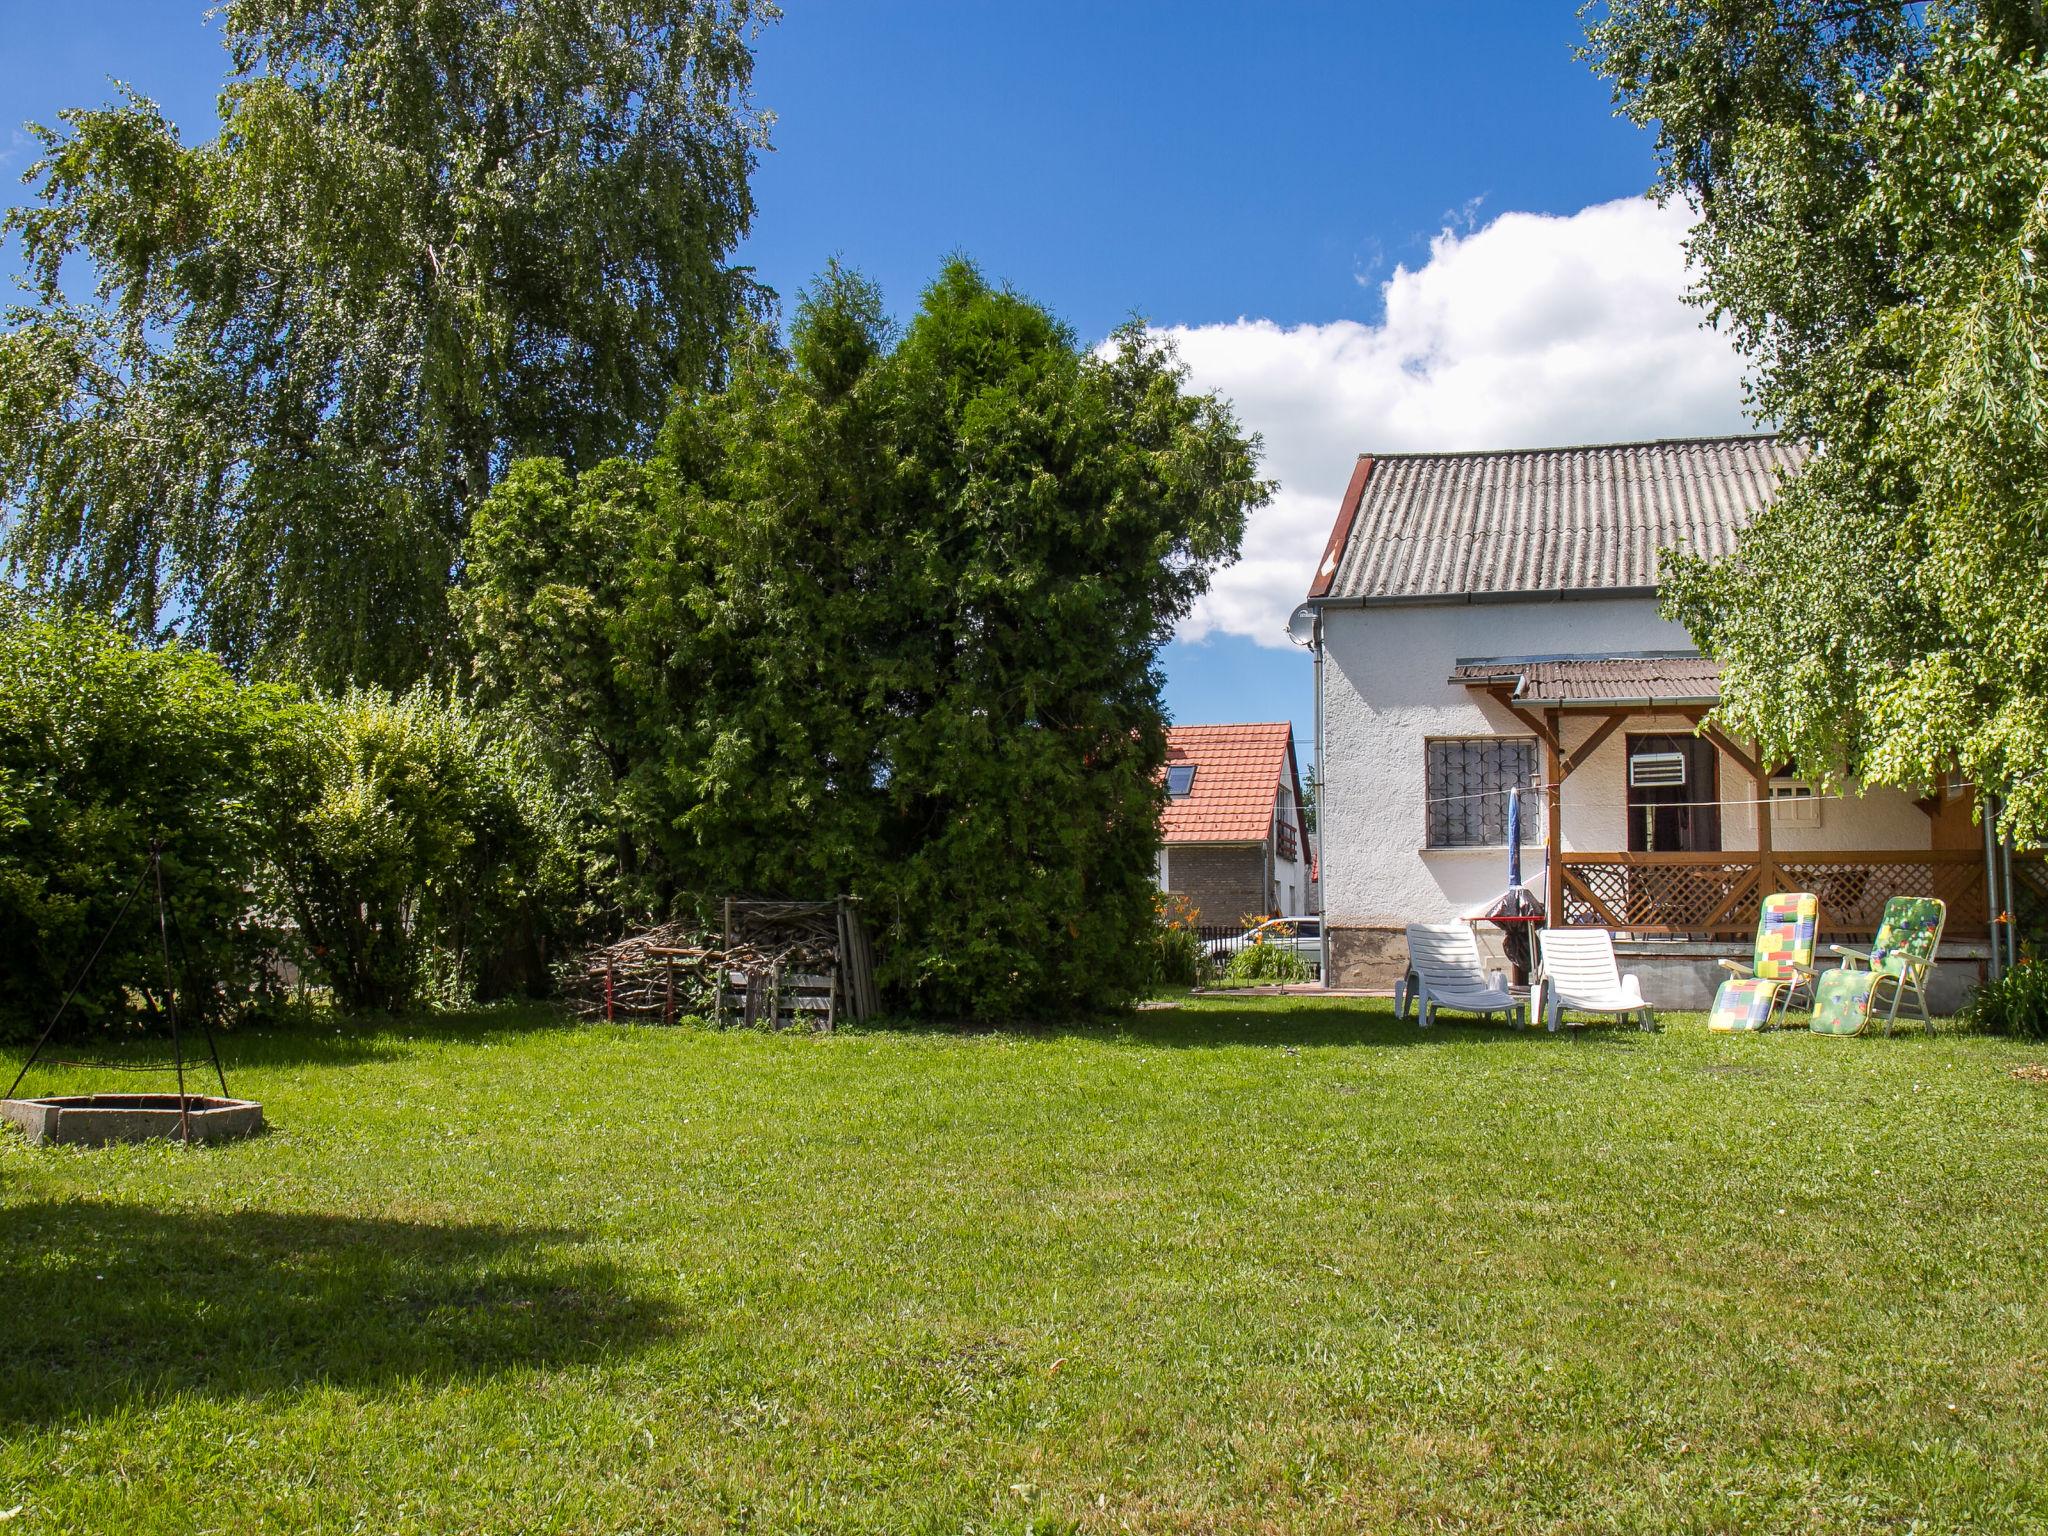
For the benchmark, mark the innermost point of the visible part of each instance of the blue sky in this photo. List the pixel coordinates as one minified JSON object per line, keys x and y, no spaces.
{"x":1254,"y":176}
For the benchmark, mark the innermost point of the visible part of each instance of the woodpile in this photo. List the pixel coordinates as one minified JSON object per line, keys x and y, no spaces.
{"x":773,"y":964}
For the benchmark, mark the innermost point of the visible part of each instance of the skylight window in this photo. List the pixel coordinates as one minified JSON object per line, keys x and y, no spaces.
{"x":1180,"y":780}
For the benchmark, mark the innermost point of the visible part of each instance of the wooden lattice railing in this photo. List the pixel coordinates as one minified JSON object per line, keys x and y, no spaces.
{"x":1716,"y":895}
{"x":2030,"y":897}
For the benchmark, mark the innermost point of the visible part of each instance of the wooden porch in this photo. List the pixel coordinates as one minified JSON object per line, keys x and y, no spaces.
{"x":1716,"y":895}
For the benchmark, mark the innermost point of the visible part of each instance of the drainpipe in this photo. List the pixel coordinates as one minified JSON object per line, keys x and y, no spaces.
{"x":1992,"y":904}
{"x":1322,"y":817}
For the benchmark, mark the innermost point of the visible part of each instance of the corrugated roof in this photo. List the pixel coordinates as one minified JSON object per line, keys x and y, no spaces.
{"x":1420,"y":527}
{"x":1238,"y":770}
{"x":1601,"y":679}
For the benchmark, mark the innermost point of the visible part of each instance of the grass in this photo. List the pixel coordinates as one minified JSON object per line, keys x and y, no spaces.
{"x":1237,"y":1266}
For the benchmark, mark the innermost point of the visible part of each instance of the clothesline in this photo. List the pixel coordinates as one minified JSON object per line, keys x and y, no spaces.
{"x":1671,"y":805}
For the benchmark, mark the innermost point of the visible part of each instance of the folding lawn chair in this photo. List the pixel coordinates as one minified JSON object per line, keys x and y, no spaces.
{"x":1780,"y":967}
{"x":1580,"y":973}
{"x":1444,"y":971}
{"x":1900,"y":960}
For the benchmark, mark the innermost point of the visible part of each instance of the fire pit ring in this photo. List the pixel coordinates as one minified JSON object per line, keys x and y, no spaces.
{"x":98,"y":1119}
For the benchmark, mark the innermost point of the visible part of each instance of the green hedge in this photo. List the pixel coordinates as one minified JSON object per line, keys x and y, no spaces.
{"x":105,"y":747}
{"x":400,"y":848}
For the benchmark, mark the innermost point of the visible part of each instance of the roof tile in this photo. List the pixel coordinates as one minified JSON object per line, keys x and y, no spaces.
{"x":1238,"y":770}
{"x":1458,"y":525}
{"x":1593,"y":679}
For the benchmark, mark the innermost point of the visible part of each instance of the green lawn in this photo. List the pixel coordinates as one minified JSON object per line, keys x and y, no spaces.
{"x":1237,"y":1266}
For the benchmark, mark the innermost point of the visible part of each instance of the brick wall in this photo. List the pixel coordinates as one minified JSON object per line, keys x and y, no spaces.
{"x":1223,"y":883}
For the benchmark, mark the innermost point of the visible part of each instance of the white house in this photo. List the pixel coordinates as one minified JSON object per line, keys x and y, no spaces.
{"x":1487,"y":622}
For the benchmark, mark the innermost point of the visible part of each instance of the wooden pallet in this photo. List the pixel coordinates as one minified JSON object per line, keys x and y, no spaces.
{"x":772,"y":997}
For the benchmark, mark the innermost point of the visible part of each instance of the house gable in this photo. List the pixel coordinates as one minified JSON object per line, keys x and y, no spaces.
{"x":1238,"y":771}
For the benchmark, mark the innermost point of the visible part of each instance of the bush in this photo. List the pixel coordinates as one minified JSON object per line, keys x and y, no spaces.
{"x":1263,"y":964}
{"x":2015,"y":1004}
{"x":105,"y":747}
{"x":419,"y":846}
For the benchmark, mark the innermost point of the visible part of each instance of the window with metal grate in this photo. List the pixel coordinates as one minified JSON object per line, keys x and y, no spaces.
{"x":1468,"y":780}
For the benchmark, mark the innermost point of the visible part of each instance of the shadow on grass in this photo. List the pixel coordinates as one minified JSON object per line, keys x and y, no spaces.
{"x":1285,"y":1020}
{"x":105,"y":1305}
{"x":1313,"y":1021}
{"x":294,"y":1037}
{"x":322,"y":1037}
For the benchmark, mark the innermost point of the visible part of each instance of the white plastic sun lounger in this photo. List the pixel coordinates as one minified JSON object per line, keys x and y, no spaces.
{"x":1444,"y":971}
{"x":1580,"y":973}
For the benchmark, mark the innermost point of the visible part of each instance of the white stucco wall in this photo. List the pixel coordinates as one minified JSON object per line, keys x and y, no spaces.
{"x":1290,"y":876}
{"x":1387,"y":690}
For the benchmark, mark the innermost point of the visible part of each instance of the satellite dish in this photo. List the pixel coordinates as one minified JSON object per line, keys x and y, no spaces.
{"x":1301,"y":625}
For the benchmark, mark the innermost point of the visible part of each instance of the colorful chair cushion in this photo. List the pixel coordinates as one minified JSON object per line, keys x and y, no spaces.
{"x":1744,"y":1003}
{"x":1841,"y":1001}
{"x":1906,"y":936}
{"x":1785,"y":935}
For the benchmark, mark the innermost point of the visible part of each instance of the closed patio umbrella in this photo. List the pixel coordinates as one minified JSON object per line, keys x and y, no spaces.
{"x":1518,"y":909}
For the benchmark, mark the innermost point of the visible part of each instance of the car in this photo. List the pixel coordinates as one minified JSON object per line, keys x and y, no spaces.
{"x":1304,"y":935}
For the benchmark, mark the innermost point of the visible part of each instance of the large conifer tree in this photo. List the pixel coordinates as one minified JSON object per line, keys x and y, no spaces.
{"x":883,"y":617}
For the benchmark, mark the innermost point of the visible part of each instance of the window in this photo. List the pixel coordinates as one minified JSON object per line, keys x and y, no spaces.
{"x":1467,"y":788}
{"x":1180,"y":779}
{"x":1794,"y":804}
{"x":1286,"y":846}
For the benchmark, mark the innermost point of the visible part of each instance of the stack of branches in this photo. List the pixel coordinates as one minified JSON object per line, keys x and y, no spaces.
{"x":677,"y":968}
{"x":645,"y":975}
{"x":674,"y":970}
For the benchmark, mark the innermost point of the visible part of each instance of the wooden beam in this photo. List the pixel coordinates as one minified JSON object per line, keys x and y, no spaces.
{"x":1547,"y":734}
{"x":1743,"y":760}
{"x":1553,"y":823}
{"x":1591,"y":744}
{"x":1766,"y":861}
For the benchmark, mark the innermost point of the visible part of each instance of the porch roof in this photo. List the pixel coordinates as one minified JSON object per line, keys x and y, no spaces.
{"x":1598,"y":682}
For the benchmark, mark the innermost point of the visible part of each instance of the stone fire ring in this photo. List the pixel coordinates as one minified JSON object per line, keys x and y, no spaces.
{"x":94,"y":1120}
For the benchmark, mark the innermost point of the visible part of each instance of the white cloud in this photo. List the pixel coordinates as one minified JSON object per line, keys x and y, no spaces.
{"x":1531,"y":331}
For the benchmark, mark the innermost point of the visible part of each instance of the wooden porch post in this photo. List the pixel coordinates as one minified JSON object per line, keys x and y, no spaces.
{"x":1553,"y":822}
{"x":1766,"y":861}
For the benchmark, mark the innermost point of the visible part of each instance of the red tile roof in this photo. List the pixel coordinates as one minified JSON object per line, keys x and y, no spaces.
{"x":1238,"y":771}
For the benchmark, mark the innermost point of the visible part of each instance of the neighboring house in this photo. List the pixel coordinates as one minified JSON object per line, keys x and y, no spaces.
{"x":1234,"y":838}
{"x":1487,"y":622}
